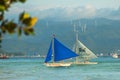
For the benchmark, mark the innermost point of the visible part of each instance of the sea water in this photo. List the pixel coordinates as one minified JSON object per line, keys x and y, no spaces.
{"x":34,"y":69}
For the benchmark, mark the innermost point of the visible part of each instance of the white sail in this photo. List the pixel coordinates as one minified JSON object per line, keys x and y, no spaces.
{"x":83,"y":51}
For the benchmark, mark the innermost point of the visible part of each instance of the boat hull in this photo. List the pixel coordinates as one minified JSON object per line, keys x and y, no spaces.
{"x":116,"y":56}
{"x":57,"y":64}
{"x":3,"y":57}
{"x":84,"y":63}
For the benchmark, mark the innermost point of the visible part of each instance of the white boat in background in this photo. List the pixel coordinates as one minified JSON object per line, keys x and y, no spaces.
{"x":85,"y":55}
{"x":3,"y":56}
{"x":115,"y":55}
{"x":58,"y":52}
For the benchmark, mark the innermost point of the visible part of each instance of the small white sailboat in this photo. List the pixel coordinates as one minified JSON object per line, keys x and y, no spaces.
{"x":115,"y":55}
{"x":59,"y":52}
{"x":84,"y":53}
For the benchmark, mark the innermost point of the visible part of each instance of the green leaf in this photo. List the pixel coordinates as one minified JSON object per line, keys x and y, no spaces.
{"x":23,"y":1}
{"x":10,"y":26}
{"x":1,"y":17}
{"x":3,"y":29}
{"x":27,"y":21}
{"x":30,"y":22}
{"x":2,"y":7}
{"x":23,"y":16}
{"x":28,"y":31}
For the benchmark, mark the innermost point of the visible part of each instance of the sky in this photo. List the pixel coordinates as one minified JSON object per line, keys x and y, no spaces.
{"x":43,"y":4}
{"x":67,"y":8}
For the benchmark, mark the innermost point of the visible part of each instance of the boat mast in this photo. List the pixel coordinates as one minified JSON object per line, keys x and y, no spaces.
{"x":53,"y":47}
{"x":76,"y":46}
{"x":76,"y":50}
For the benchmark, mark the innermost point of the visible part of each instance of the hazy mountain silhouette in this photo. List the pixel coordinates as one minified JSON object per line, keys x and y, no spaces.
{"x":100,"y":35}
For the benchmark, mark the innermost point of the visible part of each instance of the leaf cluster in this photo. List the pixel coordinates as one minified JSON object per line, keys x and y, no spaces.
{"x":24,"y":25}
{"x":5,"y":4}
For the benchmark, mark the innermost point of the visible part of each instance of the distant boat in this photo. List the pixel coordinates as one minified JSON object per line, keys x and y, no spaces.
{"x":3,"y":56}
{"x":58,"y":52}
{"x":84,"y":53}
{"x":115,"y":55}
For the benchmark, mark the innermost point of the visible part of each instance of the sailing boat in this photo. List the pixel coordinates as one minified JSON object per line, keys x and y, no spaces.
{"x":84,"y":53}
{"x":59,"y":52}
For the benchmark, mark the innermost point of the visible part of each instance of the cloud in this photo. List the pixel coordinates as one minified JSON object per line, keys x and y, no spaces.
{"x":69,"y":13}
{"x":86,"y":12}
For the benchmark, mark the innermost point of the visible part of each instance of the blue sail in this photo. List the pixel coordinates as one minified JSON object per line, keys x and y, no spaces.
{"x":49,"y":55}
{"x":61,"y":52}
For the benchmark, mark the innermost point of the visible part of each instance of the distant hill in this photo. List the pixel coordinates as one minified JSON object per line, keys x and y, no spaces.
{"x":100,"y":35}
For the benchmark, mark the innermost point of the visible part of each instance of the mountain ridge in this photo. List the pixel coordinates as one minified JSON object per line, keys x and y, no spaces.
{"x":101,"y":35}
